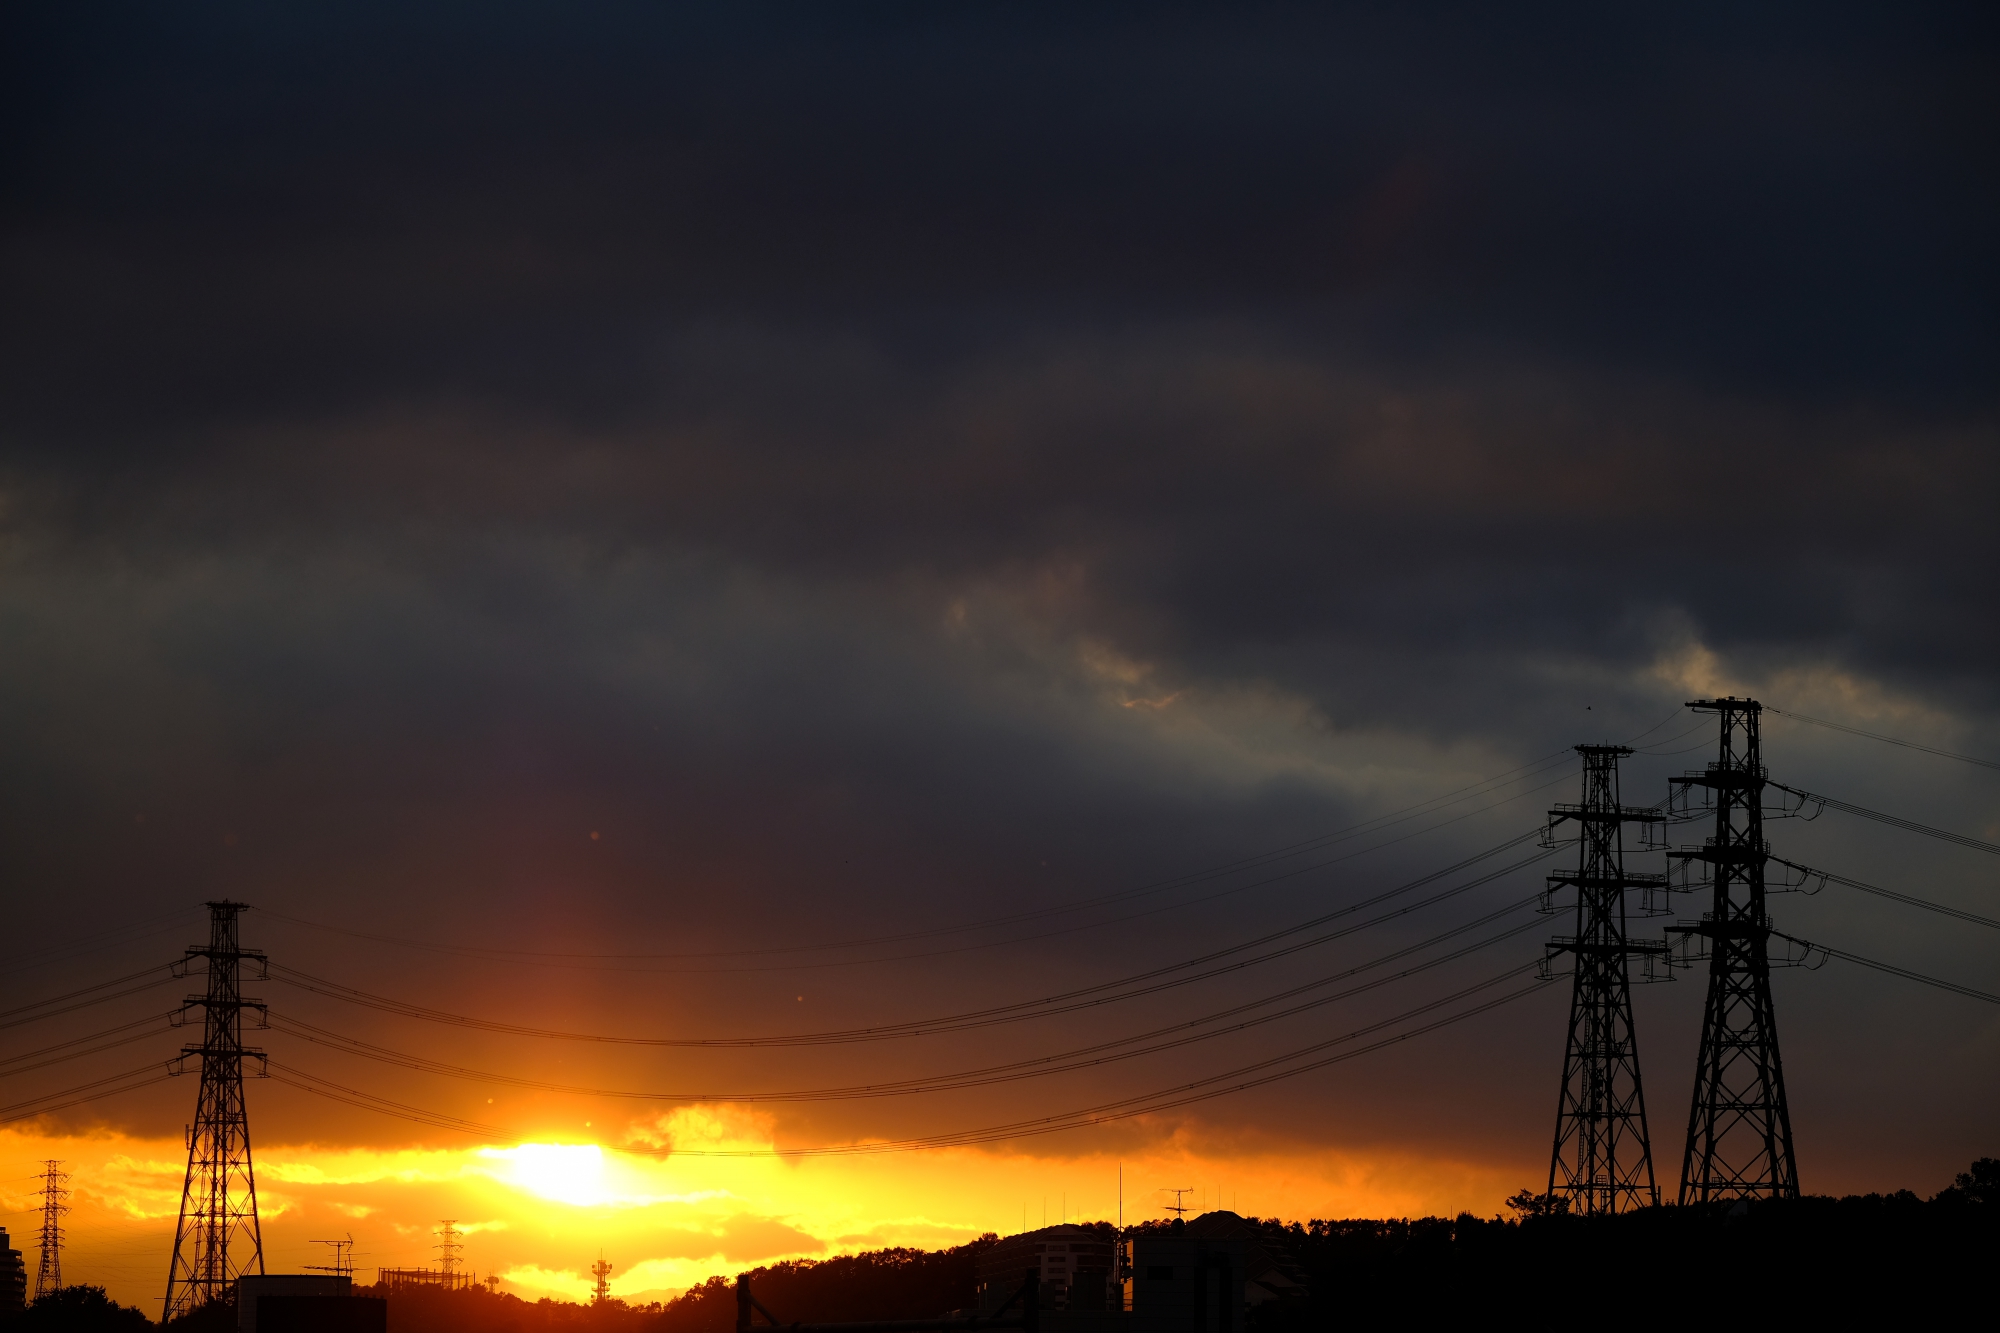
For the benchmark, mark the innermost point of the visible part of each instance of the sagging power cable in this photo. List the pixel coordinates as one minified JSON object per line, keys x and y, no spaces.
{"x":1908,"y":898}
{"x":1046,"y":1006}
{"x":1086,"y":1057}
{"x":583,"y":960}
{"x":166,"y":976}
{"x":1893,"y":821}
{"x":146,"y":1075}
{"x":149,"y":1026}
{"x":1890,"y":968}
{"x":1259,"y":1074}
{"x":1887,"y":740}
{"x":145,"y":927}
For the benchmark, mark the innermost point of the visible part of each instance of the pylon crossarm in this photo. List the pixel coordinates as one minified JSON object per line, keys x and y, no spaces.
{"x":1627,"y":880}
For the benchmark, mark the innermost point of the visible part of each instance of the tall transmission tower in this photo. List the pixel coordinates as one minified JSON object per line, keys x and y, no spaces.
{"x":448,"y":1250}
{"x":48,"y":1277}
{"x":1602,"y":1161}
{"x":218,"y":1238}
{"x":1739,"y":1142}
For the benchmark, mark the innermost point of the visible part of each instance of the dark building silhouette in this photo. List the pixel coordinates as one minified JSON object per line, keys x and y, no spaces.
{"x":1199,"y":1276}
{"x":1271,"y":1272}
{"x":13,"y":1278}
{"x":323,"y":1314}
{"x":1186,"y":1279}
{"x":1076,"y":1266}
{"x":277,"y":1302}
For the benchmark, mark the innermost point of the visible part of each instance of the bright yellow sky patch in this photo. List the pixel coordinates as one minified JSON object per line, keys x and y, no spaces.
{"x":539,"y":1213}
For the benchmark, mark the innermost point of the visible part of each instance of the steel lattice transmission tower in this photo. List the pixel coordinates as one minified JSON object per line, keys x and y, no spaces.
{"x":1739,"y":1142}
{"x":1602,"y":1161}
{"x":48,"y":1277}
{"x":218,"y":1238}
{"x":448,"y":1253}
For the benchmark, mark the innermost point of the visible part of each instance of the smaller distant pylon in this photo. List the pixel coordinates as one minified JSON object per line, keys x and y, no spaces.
{"x":55,"y":1203}
{"x":449,"y":1257}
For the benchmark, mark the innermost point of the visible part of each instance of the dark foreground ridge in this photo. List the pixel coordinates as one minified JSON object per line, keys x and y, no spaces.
{"x":1890,"y":1256}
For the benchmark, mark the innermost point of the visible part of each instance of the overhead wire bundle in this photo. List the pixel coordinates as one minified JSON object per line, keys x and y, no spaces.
{"x":1301,"y":998}
{"x":1234,"y":958}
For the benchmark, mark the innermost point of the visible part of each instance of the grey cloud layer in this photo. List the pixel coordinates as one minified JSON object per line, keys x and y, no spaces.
{"x":838,"y":456}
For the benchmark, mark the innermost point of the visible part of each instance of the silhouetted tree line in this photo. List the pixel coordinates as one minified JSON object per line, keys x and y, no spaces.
{"x":1891,"y":1257}
{"x":1894,"y":1257}
{"x":882,"y":1284}
{"x":80,"y":1309}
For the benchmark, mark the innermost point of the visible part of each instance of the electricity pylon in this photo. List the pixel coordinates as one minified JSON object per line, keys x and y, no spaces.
{"x":1739,"y":1143}
{"x":448,"y":1250}
{"x":1602,"y":1161}
{"x":48,"y":1277}
{"x":218,"y":1239}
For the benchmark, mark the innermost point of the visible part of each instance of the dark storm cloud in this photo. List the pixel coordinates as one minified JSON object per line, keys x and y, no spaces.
{"x":824,"y":287}
{"x":815,"y":449}
{"x":366,"y":201}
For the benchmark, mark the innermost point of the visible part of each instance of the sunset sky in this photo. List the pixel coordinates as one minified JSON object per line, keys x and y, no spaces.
{"x":750,"y":521}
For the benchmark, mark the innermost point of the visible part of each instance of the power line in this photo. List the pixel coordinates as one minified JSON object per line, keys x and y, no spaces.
{"x":1893,"y":820}
{"x":79,"y":1054}
{"x":1045,"y":1006}
{"x":153,"y":1073}
{"x":106,"y":1032}
{"x":1887,"y":740}
{"x":143,"y":928}
{"x":578,"y":960}
{"x":1087,"y":1057}
{"x":1655,"y":750}
{"x":1891,"y":969}
{"x":1186,"y":1094}
{"x":87,"y":990}
{"x":87,"y":1004}
{"x":1880,"y":892}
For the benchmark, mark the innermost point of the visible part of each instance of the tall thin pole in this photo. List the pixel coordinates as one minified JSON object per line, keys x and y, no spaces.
{"x":218,"y":1238}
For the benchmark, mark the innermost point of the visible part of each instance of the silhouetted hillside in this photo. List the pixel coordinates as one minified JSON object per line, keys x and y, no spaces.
{"x":1891,"y":1257}
{"x":884,"y":1284}
{"x":1895,"y":1258}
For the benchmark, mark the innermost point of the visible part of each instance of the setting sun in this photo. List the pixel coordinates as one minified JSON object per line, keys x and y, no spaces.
{"x":571,"y":1173}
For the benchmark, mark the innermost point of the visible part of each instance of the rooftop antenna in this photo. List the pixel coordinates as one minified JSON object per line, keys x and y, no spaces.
{"x":343,"y":1258}
{"x":1178,"y":1207}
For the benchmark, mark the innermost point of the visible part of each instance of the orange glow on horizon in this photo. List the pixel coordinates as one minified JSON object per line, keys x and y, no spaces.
{"x":536,"y":1214}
